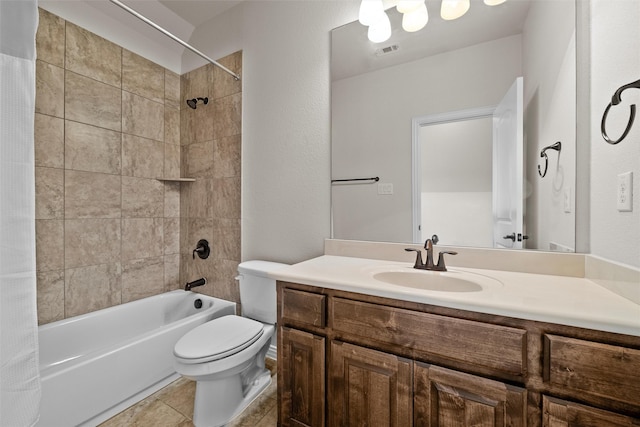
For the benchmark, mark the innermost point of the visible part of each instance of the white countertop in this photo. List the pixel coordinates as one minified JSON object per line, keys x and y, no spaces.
{"x":563,"y":300}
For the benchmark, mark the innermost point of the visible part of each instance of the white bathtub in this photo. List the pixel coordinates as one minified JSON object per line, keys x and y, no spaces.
{"x":95,"y":365}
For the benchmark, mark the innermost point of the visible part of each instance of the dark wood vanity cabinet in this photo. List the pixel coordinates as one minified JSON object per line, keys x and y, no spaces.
{"x":347,"y":359}
{"x":368,"y":387}
{"x":444,"y":397}
{"x":563,"y":413}
{"x":301,"y":377}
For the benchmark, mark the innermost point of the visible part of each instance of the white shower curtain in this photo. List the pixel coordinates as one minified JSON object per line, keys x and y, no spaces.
{"x":19,"y":376}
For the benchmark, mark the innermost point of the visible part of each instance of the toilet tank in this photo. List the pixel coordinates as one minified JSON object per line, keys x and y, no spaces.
{"x":257,"y":290}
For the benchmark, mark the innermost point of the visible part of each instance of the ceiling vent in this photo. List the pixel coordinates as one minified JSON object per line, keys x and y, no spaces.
{"x":387,"y":50}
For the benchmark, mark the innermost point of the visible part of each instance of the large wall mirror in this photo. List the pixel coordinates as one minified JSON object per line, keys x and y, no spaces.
{"x":424,"y":113}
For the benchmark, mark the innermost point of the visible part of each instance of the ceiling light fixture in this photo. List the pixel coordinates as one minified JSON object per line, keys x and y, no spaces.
{"x":453,"y":9}
{"x":414,"y":15}
{"x":380,"y":30}
{"x":416,"y":19}
{"x":372,"y":15}
{"x":370,"y":11}
{"x":408,"y":6}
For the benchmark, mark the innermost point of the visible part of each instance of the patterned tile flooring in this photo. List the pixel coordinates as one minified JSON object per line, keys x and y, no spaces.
{"x":173,"y":407}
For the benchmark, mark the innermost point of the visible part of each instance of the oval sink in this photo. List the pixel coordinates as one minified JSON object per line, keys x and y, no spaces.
{"x":449,"y":281}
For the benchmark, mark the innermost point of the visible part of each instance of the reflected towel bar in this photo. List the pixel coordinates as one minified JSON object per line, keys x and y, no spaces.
{"x":557,"y":146}
{"x":374,"y":179}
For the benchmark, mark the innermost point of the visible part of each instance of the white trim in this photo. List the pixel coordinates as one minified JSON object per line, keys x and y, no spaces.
{"x":272,"y":353}
{"x":416,"y":170}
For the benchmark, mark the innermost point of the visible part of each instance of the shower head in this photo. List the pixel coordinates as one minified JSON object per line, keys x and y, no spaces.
{"x":192,"y":102}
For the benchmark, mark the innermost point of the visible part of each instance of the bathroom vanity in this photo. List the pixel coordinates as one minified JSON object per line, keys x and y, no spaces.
{"x":352,"y":351}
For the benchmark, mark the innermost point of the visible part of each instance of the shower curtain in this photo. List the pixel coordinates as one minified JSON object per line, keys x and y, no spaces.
{"x":19,"y":376}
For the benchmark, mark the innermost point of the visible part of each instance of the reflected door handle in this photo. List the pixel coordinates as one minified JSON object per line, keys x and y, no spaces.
{"x":511,"y":237}
{"x":522,"y":237}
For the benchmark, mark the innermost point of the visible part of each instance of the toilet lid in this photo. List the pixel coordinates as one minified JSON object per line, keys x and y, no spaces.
{"x":217,"y":339}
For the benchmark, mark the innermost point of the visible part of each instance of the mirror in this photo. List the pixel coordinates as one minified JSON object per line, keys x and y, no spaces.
{"x":385,"y":95}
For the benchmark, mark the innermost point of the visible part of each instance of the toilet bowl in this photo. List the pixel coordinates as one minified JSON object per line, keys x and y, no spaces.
{"x":226,"y":356}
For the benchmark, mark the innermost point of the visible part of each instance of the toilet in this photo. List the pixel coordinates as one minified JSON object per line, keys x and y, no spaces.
{"x":226,"y":356}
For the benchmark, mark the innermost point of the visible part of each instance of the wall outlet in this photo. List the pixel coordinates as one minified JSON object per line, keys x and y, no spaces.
{"x":624,"y":198}
{"x":567,"y":200}
{"x":385,"y":188}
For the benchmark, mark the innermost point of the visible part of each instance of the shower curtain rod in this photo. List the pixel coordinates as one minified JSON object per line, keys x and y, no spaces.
{"x":168,"y":34}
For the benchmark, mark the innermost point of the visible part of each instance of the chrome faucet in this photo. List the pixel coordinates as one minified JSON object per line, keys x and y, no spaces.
{"x":429,"y":264}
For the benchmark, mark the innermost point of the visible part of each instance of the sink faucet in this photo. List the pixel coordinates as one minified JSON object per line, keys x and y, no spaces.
{"x":429,"y":264}
{"x":428,"y":245}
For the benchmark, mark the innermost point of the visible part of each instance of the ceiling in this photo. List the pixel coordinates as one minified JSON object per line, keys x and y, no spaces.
{"x":350,"y":46}
{"x":352,"y":53}
{"x":197,"y":12}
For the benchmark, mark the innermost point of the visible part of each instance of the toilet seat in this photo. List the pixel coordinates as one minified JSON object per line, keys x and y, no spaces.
{"x":217,"y":339}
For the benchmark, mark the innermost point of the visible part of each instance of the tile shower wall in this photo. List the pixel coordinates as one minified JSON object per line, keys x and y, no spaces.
{"x":107,"y":124}
{"x":211,"y":153}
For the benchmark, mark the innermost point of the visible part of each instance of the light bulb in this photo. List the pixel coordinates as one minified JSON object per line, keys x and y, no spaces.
{"x":493,"y":2}
{"x":380,"y":30}
{"x":453,"y":9}
{"x":408,"y":6}
{"x":369,"y":11}
{"x":415,"y":20}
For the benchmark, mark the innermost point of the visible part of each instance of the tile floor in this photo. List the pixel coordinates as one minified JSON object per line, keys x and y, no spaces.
{"x":173,"y":407}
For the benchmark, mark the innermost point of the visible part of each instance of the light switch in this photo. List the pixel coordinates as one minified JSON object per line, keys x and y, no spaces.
{"x":624,"y":199}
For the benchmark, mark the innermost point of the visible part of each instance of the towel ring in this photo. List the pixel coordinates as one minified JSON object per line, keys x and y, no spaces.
{"x":557,"y":147}
{"x":632,"y":117}
{"x":615,"y":100}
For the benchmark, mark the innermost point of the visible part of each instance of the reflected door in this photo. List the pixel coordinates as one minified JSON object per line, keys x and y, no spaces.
{"x":508,"y":173}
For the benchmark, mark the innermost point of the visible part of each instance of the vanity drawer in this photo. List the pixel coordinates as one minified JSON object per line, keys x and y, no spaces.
{"x":558,"y":412}
{"x":493,"y":348}
{"x":304,"y":307}
{"x":590,"y":368}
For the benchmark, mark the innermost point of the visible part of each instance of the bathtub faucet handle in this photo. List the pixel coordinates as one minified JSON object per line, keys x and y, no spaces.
{"x":202,"y":249}
{"x":199,"y":282}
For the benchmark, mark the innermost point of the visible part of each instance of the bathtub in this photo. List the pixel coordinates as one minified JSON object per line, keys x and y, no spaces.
{"x":95,"y":365}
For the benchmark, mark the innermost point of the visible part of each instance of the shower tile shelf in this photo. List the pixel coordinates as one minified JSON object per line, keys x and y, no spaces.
{"x":177,"y":179}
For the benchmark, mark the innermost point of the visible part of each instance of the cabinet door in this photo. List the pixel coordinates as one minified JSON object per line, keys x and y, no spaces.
{"x":443,"y":397}
{"x":301,"y":379}
{"x":562,"y":413}
{"x":368,"y":388}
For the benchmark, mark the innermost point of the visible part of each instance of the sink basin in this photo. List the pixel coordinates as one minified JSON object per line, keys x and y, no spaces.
{"x":448,"y":281}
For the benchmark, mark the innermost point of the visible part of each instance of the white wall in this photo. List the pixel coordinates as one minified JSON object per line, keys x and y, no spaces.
{"x":549,"y":66}
{"x":457,"y":173}
{"x":371,"y":119}
{"x":457,"y":156}
{"x":463,"y":219}
{"x":217,"y":39}
{"x":615,"y":61}
{"x":286,"y":120}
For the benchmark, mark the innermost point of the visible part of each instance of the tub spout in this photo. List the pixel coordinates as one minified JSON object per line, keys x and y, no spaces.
{"x":199,"y":282}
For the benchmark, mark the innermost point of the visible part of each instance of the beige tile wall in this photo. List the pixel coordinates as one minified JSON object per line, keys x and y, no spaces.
{"x":211,"y":150}
{"x":107,"y":124}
